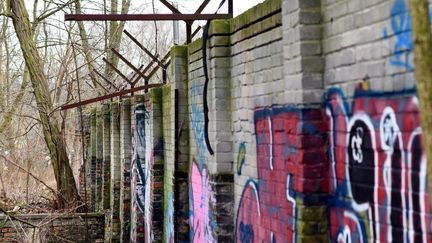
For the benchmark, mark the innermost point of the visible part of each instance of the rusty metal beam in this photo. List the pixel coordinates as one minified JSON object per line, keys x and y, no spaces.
{"x":105,"y":79}
{"x":144,"y":71}
{"x":136,"y":77}
{"x":116,"y":70}
{"x":137,"y":71}
{"x":109,"y":96}
{"x":97,"y":82}
{"x":164,"y":59}
{"x":143,"y":48}
{"x":196,"y":31}
{"x":144,"y":17}
{"x":170,"y":6}
{"x":202,"y":6}
{"x":149,"y":66}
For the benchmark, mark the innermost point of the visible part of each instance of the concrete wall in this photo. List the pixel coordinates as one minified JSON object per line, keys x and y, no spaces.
{"x":306,"y":130}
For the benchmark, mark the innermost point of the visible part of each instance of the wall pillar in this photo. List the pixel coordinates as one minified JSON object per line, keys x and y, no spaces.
{"x":137,"y":171}
{"x":93,"y":159}
{"x":220,"y":132}
{"x":99,"y":159}
{"x":115,"y":172}
{"x":84,"y":178}
{"x":126,"y":155}
{"x":179,"y":200}
{"x":106,"y":182}
{"x":155,"y":163}
{"x":304,"y":85}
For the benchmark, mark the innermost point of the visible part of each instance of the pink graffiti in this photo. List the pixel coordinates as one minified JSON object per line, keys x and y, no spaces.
{"x":202,"y":197}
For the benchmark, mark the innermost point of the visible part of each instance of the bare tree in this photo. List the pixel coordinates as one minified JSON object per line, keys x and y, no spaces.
{"x":49,"y":117}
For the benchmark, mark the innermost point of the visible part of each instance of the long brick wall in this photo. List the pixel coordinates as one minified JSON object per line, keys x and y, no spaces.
{"x":306,"y":129}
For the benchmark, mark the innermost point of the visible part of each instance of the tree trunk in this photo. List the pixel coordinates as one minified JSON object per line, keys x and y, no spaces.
{"x":115,"y":35}
{"x":67,"y":192}
{"x":423,"y":63}
{"x":86,"y":49}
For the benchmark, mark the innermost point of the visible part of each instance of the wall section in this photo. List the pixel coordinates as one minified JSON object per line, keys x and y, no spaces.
{"x":303,"y":127}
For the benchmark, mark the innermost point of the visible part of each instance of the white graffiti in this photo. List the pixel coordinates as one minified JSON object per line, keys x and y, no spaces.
{"x":271,"y":142}
{"x":356,"y":145}
{"x":366,"y":207}
{"x":147,"y":178}
{"x":293,"y":203}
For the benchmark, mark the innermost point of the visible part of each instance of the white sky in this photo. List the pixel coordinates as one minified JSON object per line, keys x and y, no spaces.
{"x":239,"y":5}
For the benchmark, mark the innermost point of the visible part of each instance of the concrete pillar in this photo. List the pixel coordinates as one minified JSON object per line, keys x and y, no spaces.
{"x":177,"y":222}
{"x":168,"y":137}
{"x":137,"y":177}
{"x":220,"y":131}
{"x":106,"y":182}
{"x":85,"y":178}
{"x":99,"y":159}
{"x":93,"y":162}
{"x":155,"y":164}
{"x":126,"y":156}
{"x":303,"y":60}
{"x":115,"y":172}
{"x":303,"y":73}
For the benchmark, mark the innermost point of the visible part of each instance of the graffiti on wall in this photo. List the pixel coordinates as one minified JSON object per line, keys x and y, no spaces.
{"x":198,"y":121}
{"x":170,"y":224}
{"x":201,"y":196}
{"x":146,"y":148}
{"x":401,"y":29}
{"x":267,"y":210}
{"x":400,"y":22}
{"x":376,"y":175}
{"x":377,"y":169}
{"x":241,"y":158}
{"x":137,"y":173}
{"x":201,"y":200}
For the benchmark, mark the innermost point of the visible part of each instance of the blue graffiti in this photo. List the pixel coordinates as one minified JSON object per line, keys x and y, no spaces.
{"x":401,"y":28}
{"x":246,"y":233}
{"x":170,"y":226}
{"x":142,"y":116}
{"x":198,"y":121}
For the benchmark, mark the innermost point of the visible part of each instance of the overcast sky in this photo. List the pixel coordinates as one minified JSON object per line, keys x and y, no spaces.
{"x":239,"y":5}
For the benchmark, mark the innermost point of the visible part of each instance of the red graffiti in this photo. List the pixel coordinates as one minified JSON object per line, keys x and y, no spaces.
{"x":287,"y":151}
{"x":378,"y":163}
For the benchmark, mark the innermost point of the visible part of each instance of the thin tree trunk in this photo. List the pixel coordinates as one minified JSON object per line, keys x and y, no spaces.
{"x":9,"y":114}
{"x":423,"y":63}
{"x":115,"y":35}
{"x":86,"y":49}
{"x":3,"y":40}
{"x":28,"y":179}
{"x":55,"y":141}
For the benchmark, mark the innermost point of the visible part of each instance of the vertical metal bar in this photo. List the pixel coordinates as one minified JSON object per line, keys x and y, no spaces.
{"x":188,"y":33}
{"x":230,"y":7}
{"x":146,"y":82}
{"x":164,"y":76}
